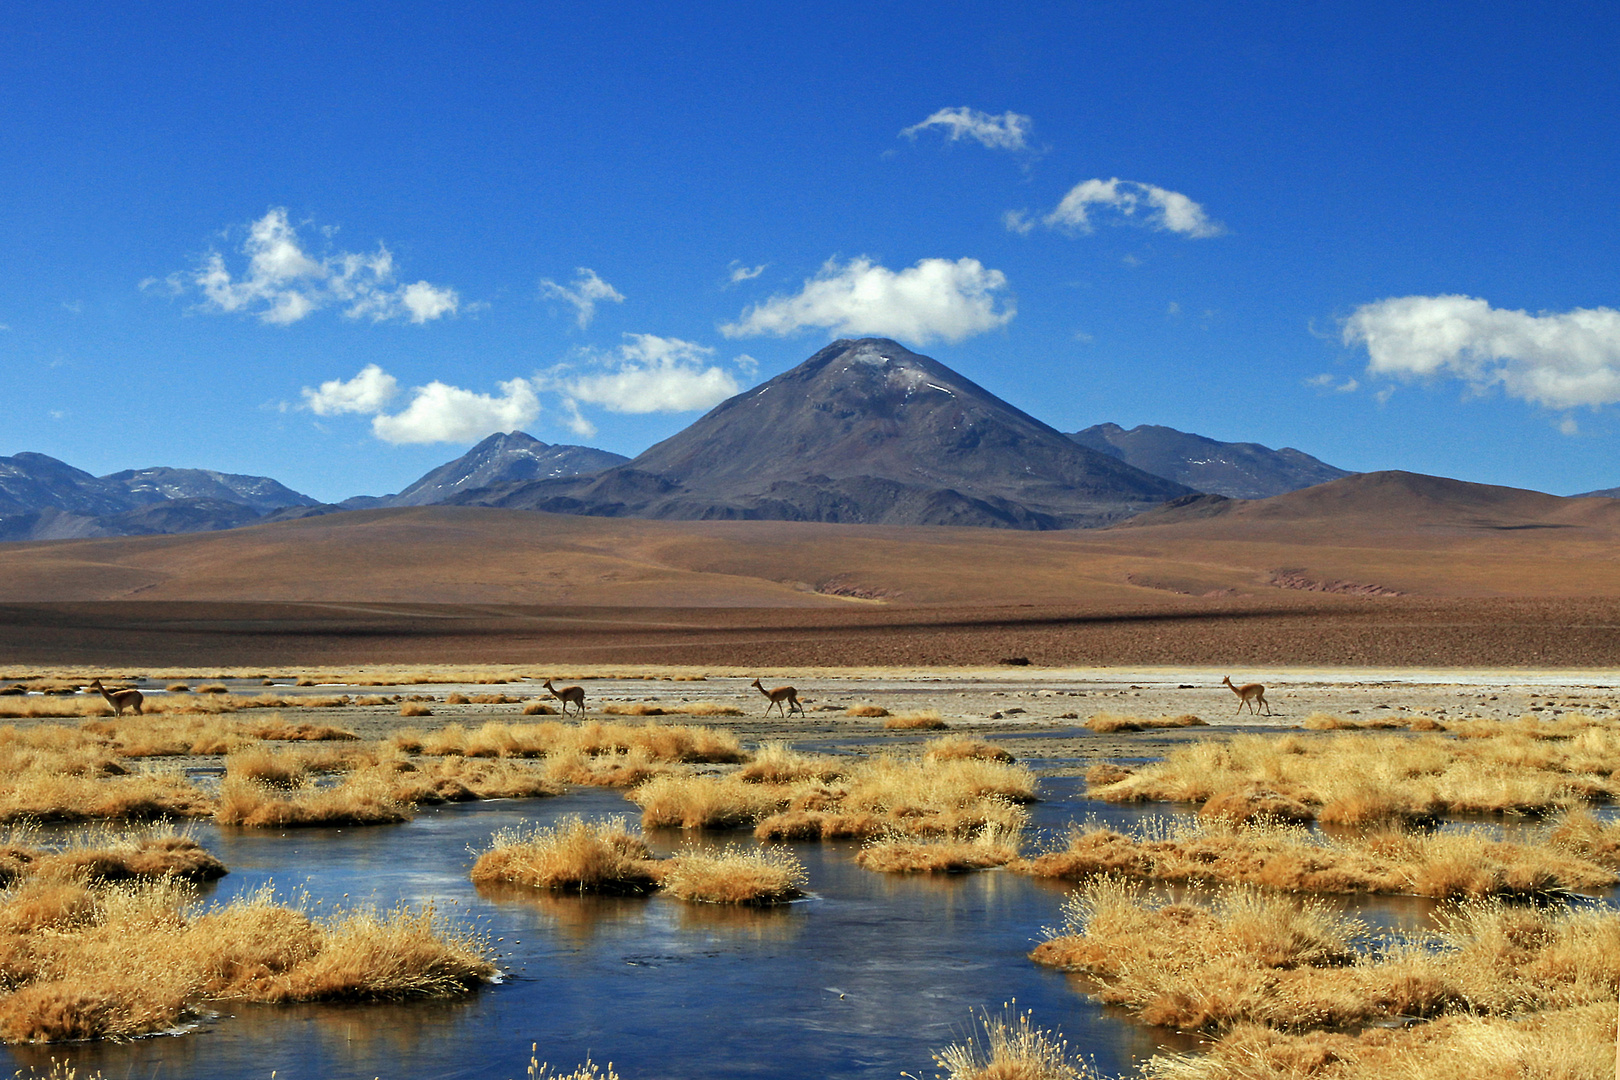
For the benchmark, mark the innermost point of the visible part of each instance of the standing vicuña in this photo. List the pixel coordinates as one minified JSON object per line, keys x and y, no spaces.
{"x":575,"y":694}
{"x":779,"y":695}
{"x":119,"y":699}
{"x":1248,"y":694}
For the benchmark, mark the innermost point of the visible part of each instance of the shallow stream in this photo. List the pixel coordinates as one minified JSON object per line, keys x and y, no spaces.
{"x":865,"y":979}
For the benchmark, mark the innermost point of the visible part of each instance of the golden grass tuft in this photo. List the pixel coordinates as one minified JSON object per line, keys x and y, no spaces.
{"x":958,"y":747}
{"x":1250,"y":957}
{"x":1106,"y":723}
{"x":1011,"y":1047}
{"x":126,"y":960}
{"x":692,"y":708}
{"x":733,"y":875}
{"x":921,"y":719}
{"x":362,"y":799}
{"x":870,"y":711}
{"x":1107,"y":772}
{"x":892,"y":853}
{"x":779,"y":763}
{"x":462,"y":780}
{"x":101,"y":855}
{"x":414,"y":708}
{"x":178,"y":688}
{"x":705,"y":802}
{"x":1362,"y":778}
{"x":533,"y":708}
{"x":574,"y":855}
{"x":1448,"y":864}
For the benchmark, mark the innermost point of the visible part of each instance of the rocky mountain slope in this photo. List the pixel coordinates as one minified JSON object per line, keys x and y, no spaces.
{"x":1236,"y":470}
{"x":863,"y":432}
{"x":503,"y":458}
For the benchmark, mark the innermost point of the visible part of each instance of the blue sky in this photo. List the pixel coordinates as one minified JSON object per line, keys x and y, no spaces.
{"x":1382,"y":234}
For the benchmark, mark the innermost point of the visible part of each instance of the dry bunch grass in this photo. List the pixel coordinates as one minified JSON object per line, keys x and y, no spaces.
{"x":919,"y":720}
{"x":779,"y":763}
{"x":1358,"y":779}
{"x":992,"y":845}
{"x":691,"y":708}
{"x":121,"y":961}
{"x":414,"y":708}
{"x":102,"y":855}
{"x":1447,"y":864}
{"x":919,"y":798}
{"x":533,"y":708}
{"x":574,"y":855}
{"x":1104,"y":723}
{"x":1556,"y":1044}
{"x":957,"y":747}
{"x":753,"y":876}
{"x":462,"y":780}
{"x":868,"y":711}
{"x":52,"y":773}
{"x":662,"y":742}
{"x":1011,"y":1047}
{"x":362,"y":799}
{"x":1252,"y":957}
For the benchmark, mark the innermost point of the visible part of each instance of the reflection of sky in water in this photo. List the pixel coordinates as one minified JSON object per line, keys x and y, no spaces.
{"x":864,"y":979}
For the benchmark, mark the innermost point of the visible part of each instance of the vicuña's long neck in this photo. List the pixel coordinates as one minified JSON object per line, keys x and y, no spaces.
{"x":107,"y":695}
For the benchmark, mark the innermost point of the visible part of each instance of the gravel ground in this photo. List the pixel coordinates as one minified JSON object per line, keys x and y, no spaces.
{"x":1037,"y":714}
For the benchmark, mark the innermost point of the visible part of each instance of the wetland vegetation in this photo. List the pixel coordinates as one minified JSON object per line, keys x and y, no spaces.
{"x":1211,"y":909}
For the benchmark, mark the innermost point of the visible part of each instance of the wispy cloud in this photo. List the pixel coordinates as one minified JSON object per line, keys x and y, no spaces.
{"x":284,"y":282}
{"x":936,"y":298}
{"x":741,"y":272}
{"x":1559,"y":359}
{"x":648,"y":374}
{"x":1154,"y":206}
{"x":1009,"y":131}
{"x":588,"y":291}
{"x":1330,"y":382}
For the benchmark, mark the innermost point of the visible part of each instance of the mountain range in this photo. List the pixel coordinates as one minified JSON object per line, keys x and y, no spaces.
{"x":865,"y":431}
{"x":1236,"y":470}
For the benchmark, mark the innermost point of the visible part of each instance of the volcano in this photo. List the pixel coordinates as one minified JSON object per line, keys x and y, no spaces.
{"x":862,"y":432}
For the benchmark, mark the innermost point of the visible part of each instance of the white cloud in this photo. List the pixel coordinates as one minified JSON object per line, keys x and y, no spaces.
{"x":1568,"y":426}
{"x":284,"y":283}
{"x":1559,"y":359}
{"x":650,"y":374}
{"x":1168,"y":210}
{"x":367,"y":392}
{"x":588,"y":291}
{"x":442,"y":413}
{"x":937,"y":298}
{"x":1004,"y":132}
{"x":1018,"y":221}
{"x":575,"y":420}
{"x":741,"y":273}
{"x":1326,"y":380}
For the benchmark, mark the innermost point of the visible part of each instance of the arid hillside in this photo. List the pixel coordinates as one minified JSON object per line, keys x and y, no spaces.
{"x":1378,"y":534}
{"x":1387,"y":569}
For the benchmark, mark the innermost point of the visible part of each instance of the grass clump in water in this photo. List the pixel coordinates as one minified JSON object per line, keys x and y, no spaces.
{"x":756,"y":877}
{"x":992,"y":844}
{"x":958,"y":747}
{"x":1104,"y":723}
{"x":362,"y":799}
{"x":574,"y":855}
{"x":1011,"y":1047}
{"x":919,"y":720}
{"x":1446,"y":864}
{"x":1246,"y":956}
{"x":119,"y":961}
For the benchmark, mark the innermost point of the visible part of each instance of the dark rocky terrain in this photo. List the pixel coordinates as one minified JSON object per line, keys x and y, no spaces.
{"x":863,"y":432}
{"x":1236,"y":470}
{"x":42,"y":498}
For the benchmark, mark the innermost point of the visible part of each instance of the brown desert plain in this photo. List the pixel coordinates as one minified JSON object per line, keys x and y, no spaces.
{"x":1373,"y":570}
